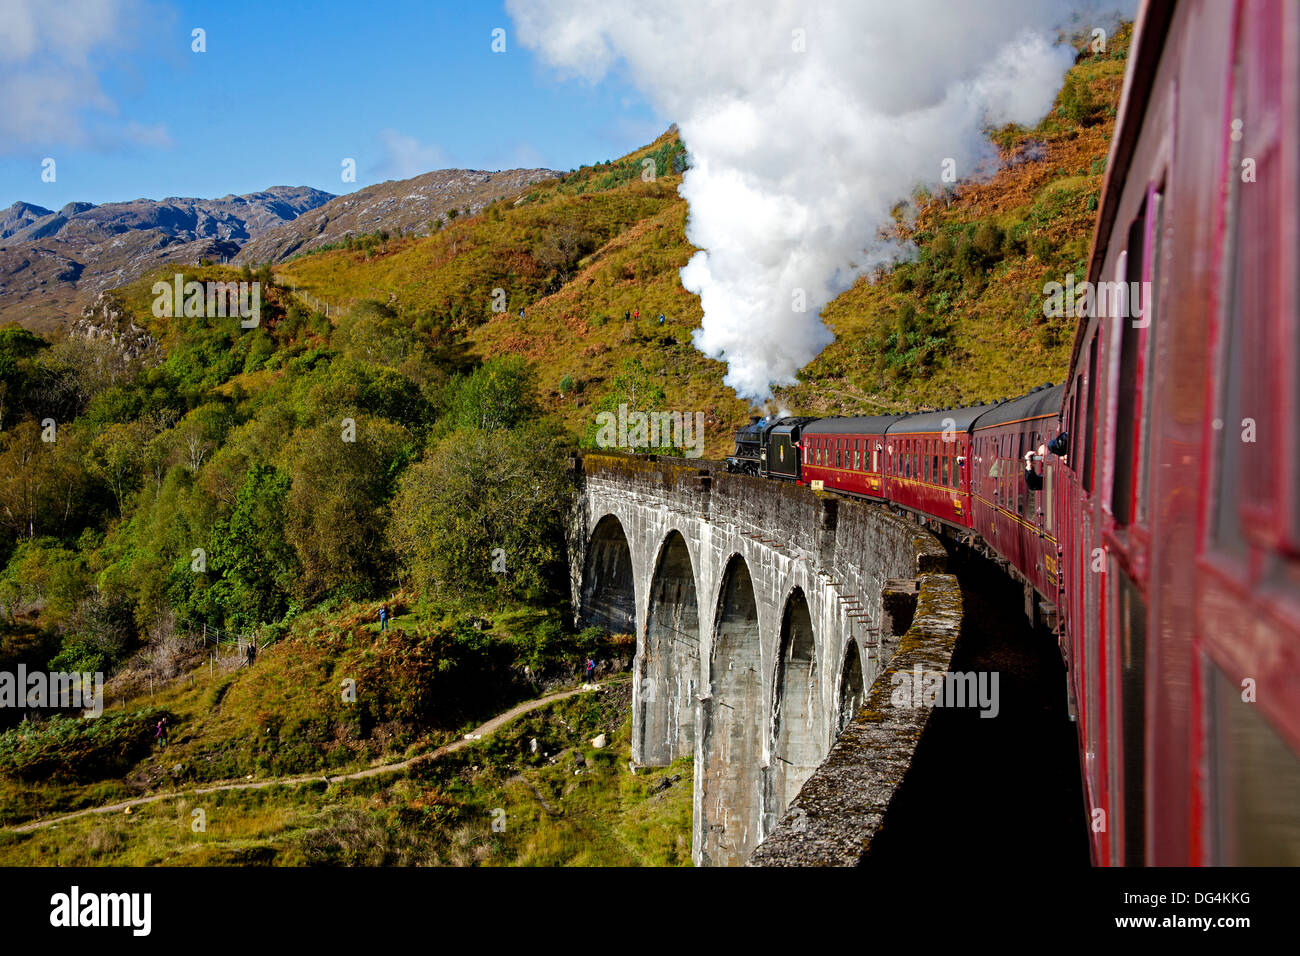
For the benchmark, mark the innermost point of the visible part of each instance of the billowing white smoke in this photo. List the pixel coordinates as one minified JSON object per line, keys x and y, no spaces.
{"x":805,"y":124}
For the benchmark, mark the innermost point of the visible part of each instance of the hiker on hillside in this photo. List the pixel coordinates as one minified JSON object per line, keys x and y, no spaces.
{"x":160,"y":734}
{"x":627,"y":316}
{"x":252,"y":652}
{"x":521,"y":312}
{"x":661,"y":318}
{"x":383,"y":617}
{"x":637,"y":315}
{"x":591,"y":669}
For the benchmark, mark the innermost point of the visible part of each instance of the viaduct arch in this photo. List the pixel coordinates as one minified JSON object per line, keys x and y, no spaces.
{"x":758,"y":618}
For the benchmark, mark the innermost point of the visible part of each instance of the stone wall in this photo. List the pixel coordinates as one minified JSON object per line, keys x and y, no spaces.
{"x":844,"y":804}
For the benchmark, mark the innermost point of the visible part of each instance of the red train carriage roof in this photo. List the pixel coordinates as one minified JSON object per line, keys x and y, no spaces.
{"x":851,"y":425}
{"x":1038,"y":403}
{"x":955,"y":418}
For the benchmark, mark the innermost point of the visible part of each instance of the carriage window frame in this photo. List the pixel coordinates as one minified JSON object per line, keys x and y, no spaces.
{"x":1090,"y":436}
{"x":1155,"y":246}
{"x":1245,"y":508}
{"x":1128,"y":372}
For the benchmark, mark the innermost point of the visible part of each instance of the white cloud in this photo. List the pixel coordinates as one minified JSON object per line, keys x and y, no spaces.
{"x":51,"y":55}
{"x":405,"y":156}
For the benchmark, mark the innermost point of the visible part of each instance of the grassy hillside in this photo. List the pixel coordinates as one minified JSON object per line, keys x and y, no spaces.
{"x":961,"y":322}
{"x":496,"y":802}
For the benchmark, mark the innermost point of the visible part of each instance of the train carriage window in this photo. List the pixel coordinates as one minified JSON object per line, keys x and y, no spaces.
{"x":1132,"y":620}
{"x":1254,"y":781}
{"x":1150,"y":315}
{"x":1075,"y":425}
{"x":945,"y":470}
{"x":875,"y":458}
{"x":1128,"y":339}
{"x":934,"y":469}
{"x":1246,"y":456}
{"x":1048,"y":472}
{"x":1090,"y":410}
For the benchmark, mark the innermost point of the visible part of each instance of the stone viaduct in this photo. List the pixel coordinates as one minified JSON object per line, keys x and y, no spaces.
{"x":763,"y":613}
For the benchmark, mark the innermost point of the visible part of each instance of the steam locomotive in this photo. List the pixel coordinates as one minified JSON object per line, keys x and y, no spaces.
{"x":1160,"y":534}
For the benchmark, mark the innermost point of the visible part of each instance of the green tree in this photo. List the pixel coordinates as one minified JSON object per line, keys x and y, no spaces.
{"x":497,"y":394}
{"x":251,"y":551}
{"x":337,"y":503}
{"x":483,"y":512}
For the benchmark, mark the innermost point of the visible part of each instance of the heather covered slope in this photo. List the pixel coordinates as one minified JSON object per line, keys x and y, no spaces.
{"x":960,"y":322}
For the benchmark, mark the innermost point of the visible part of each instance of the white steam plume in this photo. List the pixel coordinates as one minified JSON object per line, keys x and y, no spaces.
{"x":805,"y":123}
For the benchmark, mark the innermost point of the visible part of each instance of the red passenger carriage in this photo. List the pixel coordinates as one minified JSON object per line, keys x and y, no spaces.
{"x":928,"y":463}
{"x":846,"y":454}
{"x":1014,"y":520}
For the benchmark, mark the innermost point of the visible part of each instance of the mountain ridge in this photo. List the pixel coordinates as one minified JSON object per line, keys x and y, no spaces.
{"x":53,"y":263}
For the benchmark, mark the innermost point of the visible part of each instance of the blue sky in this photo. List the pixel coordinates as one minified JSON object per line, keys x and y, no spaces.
{"x":111,"y":90}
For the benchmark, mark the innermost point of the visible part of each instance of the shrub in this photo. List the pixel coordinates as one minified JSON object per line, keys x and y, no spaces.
{"x":1077,"y":103}
{"x":76,"y":748}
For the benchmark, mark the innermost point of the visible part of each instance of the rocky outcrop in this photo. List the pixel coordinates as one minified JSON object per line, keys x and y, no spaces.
{"x":103,"y":319}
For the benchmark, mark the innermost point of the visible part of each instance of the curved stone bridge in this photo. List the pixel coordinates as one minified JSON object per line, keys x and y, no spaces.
{"x":759,"y":620}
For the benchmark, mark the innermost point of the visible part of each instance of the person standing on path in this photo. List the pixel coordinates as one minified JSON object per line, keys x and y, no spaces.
{"x":160,"y":734}
{"x":383,"y":617}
